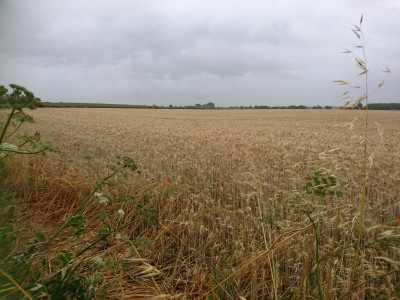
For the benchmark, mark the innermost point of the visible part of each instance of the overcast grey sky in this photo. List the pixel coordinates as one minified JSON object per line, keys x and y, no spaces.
{"x":183,"y":52}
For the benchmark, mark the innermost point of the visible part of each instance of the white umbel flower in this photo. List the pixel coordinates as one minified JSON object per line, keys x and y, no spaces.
{"x":102,"y":199}
{"x":121,"y":213}
{"x":98,"y":262}
{"x":8,"y":147}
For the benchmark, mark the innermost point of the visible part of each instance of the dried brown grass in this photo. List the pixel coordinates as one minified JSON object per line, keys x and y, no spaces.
{"x":228,"y":169}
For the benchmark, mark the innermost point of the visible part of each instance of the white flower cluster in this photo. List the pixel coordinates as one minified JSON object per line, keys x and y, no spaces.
{"x":8,"y":147}
{"x":5,"y":147}
{"x":121,"y":213}
{"x":98,"y":262}
{"x":102,"y":199}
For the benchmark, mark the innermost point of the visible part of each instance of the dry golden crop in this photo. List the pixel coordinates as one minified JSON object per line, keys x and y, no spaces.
{"x":227,"y":185}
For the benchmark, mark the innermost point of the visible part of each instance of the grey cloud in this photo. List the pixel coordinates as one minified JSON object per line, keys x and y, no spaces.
{"x":174,"y":51}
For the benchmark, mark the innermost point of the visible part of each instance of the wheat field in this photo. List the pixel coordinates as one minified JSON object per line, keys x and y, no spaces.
{"x":227,"y":186}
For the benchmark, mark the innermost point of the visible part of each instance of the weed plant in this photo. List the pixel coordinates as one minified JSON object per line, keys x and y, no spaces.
{"x":32,"y":271}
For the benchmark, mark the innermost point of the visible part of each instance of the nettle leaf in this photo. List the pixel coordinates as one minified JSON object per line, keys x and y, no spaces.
{"x":143,"y":241}
{"x":124,"y":162}
{"x":103,"y":233}
{"x":104,"y":217}
{"x":33,"y":140}
{"x":64,"y":258}
{"x":129,"y":163}
{"x":23,"y":117}
{"x":150,"y":214}
{"x":78,"y":224}
{"x":126,"y":198}
{"x":126,"y":266}
{"x":322,"y":185}
{"x":40,"y":236}
{"x":48,"y":145}
{"x":121,"y":180}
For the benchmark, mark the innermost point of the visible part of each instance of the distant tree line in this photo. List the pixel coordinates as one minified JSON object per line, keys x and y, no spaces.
{"x":378,"y":106}
{"x":291,"y":107}
{"x":208,"y":105}
{"x":384,"y":106}
{"x":211,"y":105}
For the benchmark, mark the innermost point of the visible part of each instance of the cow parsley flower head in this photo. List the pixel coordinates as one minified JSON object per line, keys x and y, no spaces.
{"x":8,"y":147}
{"x":121,"y":213}
{"x":102,"y":199}
{"x":98,"y":262}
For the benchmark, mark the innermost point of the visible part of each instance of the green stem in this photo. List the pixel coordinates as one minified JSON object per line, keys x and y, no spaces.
{"x":98,"y":240}
{"x":27,"y":152}
{"x":94,"y":191}
{"x":23,"y":144}
{"x":105,"y":235}
{"x":6,"y":125}
{"x":15,"y":130}
{"x":93,"y":168}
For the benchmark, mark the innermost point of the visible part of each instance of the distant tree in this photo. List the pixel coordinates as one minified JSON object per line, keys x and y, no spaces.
{"x":328,"y":107}
{"x":210,"y":105}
